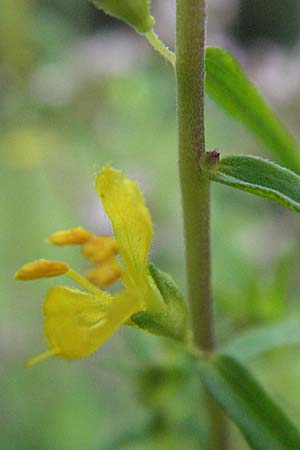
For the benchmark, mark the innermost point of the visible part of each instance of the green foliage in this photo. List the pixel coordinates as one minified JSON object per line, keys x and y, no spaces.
{"x":263,"y":423}
{"x":17,"y":48}
{"x":134,"y":12}
{"x":260,"y":177}
{"x":259,"y":340}
{"x":172,"y":320}
{"x":229,"y":86}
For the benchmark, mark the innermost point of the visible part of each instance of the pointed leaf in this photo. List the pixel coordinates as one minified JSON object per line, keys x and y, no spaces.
{"x":263,"y":423}
{"x":228,"y":85}
{"x":134,"y":12}
{"x":260,"y":177}
{"x":263,"y":339}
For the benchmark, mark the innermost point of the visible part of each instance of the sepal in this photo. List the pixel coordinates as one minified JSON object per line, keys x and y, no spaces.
{"x":172,"y":321}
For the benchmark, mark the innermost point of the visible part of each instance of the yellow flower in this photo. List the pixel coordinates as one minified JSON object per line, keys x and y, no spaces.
{"x":77,"y":323}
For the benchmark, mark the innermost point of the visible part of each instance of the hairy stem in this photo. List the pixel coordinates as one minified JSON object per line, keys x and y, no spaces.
{"x":160,"y":47}
{"x":190,"y":56}
{"x":194,"y":184}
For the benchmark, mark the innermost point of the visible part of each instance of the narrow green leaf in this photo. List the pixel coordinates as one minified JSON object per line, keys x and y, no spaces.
{"x":263,"y":339}
{"x":228,"y":85}
{"x":262,"y":422}
{"x":260,"y":177}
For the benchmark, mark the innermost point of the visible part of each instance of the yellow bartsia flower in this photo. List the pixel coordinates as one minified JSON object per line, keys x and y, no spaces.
{"x":77,"y":323}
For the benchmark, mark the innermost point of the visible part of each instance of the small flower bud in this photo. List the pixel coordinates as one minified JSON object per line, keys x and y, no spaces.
{"x":100,"y":249}
{"x":73,"y":236}
{"x":209,"y":160}
{"x":41,"y":269}
{"x":105,"y":274}
{"x":134,"y":12}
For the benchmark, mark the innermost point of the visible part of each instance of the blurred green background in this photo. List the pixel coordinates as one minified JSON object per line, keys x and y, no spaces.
{"x":78,"y":90}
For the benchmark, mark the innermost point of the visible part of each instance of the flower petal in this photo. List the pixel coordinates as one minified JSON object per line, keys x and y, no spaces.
{"x":131,"y":221}
{"x":76,"y":323}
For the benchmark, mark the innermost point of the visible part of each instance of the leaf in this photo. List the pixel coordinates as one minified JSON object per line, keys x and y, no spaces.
{"x":134,"y":12}
{"x":262,"y":339}
{"x":228,"y":85}
{"x":262,"y":422}
{"x":260,"y":177}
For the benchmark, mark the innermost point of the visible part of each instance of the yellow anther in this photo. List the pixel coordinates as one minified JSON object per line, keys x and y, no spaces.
{"x":73,"y":236}
{"x":105,"y":274}
{"x":100,"y":249}
{"x":41,"y":268}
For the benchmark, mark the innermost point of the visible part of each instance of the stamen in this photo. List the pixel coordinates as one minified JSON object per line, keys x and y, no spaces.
{"x":105,"y":274}
{"x":41,"y":357}
{"x":41,"y":268}
{"x":100,"y":249}
{"x":84,"y":283}
{"x":73,"y":236}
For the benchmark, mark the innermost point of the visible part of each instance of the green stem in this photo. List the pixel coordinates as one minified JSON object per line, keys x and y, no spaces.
{"x":190,"y":56}
{"x":160,"y":47}
{"x":194,"y":183}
